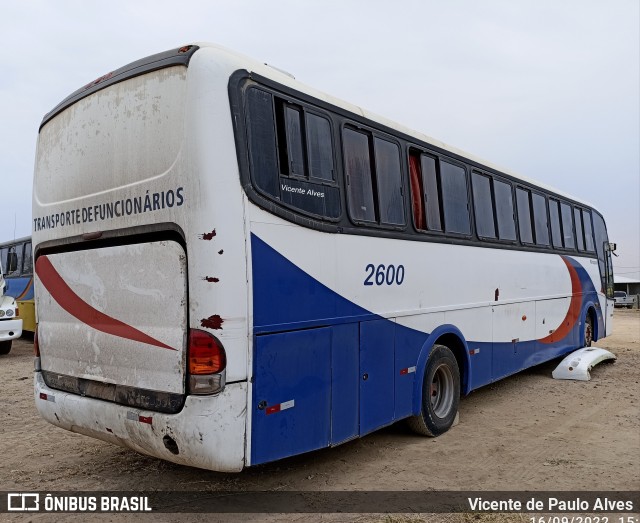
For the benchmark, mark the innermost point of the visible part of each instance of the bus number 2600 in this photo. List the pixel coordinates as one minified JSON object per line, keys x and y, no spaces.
{"x":389,"y":274}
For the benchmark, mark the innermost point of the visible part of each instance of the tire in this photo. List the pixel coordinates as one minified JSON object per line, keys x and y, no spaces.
{"x":440,"y":394}
{"x":588,"y":331}
{"x":5,"y":347}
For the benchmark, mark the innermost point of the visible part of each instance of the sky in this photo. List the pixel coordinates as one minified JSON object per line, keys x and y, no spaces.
{"x":548,"y":89}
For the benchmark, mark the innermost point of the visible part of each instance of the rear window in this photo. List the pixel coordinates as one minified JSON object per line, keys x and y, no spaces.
{"x":126,"y":133}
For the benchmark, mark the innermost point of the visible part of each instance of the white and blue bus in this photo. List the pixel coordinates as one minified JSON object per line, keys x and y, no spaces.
{"x":233,"y":268}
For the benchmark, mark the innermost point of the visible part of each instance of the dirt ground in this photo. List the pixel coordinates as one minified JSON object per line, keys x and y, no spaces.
{"x":527,"y":432}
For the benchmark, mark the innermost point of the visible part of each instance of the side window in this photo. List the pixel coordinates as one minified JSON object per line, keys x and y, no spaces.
{"x":293,"y":131}
{"x":320,"y":147}
{"x":556,"y":230}
{"x":291,"y":154}
{"x":454,"y":198}
{"x":374,"y":184}
{"x":417,"y":202}
{"x":425,"y":191}
{"x":27,"y":265}
{"x":389,"y":177}
{"x":431,"y":195}
{"x":3,"y":258}
{"x":541,"y":224}
{"x":567,"y":226}
{"x":577,"y":213}
{"x":524,"y":215}
{"x":600,"y":232}
{"x":483,"y":205}
{"x":17,"y":249}
{"x":357,"y":165}
{"x":261,"y":128}
{"x":504,"y":210}
{"x":588,"y":232}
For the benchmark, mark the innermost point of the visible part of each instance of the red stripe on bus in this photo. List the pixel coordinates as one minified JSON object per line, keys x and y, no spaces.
{"x":574,"y":307}
{"x":81,"y":310}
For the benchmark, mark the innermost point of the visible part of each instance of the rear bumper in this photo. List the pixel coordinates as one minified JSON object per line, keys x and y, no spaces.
{"x":209,"y":432}
{"x":10,"y":329}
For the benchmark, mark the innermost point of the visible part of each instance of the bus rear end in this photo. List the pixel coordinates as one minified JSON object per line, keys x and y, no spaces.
{"x":128,"y":347}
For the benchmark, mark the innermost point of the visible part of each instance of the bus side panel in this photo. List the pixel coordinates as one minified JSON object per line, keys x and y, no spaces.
{"x":408,"y":343}
{"x":377,"y":379}
{"x":345,"y":382}
{"x":514,"y":327}
{"x":292,"y":394}
{"x":287,"y":298}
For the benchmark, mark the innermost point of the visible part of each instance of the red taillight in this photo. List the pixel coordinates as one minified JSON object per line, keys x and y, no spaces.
{"x":206,"y":354}
{"x":36,"y":346}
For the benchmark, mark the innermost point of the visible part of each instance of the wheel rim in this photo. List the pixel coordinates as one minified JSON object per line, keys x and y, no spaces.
{"x":441,"y":391}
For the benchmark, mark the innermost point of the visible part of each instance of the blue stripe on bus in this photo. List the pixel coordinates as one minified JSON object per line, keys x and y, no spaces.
{"x":17,"y":287}
{"x":327,"y":370}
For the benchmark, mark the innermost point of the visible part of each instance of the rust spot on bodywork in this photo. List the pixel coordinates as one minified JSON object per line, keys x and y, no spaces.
{"x":211,"y":280}
{"x":212,"y":322}
{"x":207,"y":235}
{"x":220,"y":251}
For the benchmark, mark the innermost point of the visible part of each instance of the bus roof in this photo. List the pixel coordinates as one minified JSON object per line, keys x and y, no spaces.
{"x":183,"y":54}
{"x":17,"y":240}
{"x":290,"y":81}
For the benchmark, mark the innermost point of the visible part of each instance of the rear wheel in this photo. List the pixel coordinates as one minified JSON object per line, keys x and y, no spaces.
{"x":5,"y":347}
{"x":588,"y":331}
{"x":440,"y":394}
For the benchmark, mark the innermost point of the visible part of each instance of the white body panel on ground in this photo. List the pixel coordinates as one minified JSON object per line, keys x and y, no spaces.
{"x":578,"y":364}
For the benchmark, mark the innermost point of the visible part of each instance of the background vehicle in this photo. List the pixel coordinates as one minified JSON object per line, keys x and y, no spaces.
{"x":19,"y":281}
{"x":254,"y":269}
{"x":10,"y":323}
{"x":623,"y":300}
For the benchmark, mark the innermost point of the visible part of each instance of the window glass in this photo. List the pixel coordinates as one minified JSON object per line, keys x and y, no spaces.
{"x":579,"y":233}
{"x":454,"y":198}
{"x":524,"y":215}
{"x":27,"y":266}
{"x":18,"y":251}
{"x":483,"y":205}
{"x":3,"y":257}
{"x":431,"y":193}
{"x":541,"y":224}
{"x":588,"y":233}
{"x":417,"y":201}
{"x":262,"y":141}
{"x":320,"y":148}
{"x":567,"y":226}
{"x":358,"y":170}
{"x":389,"y":179}
{"x":294,"y":141}
{"x":600,"y":233}
{"x":504,"y":210}
{"x":556,"y":231}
